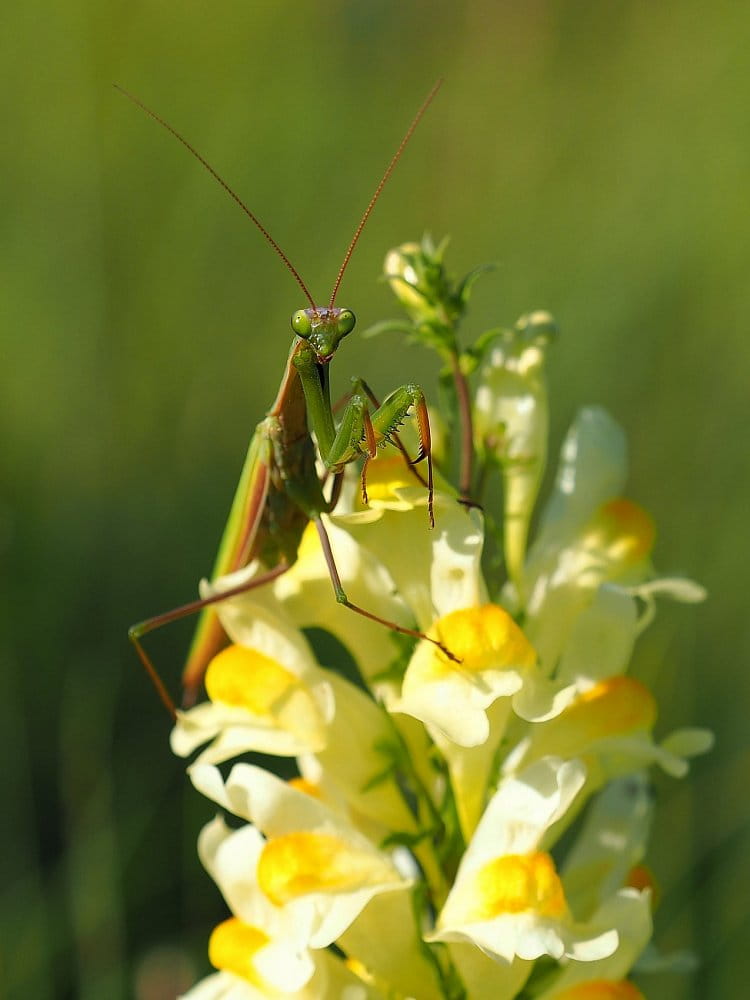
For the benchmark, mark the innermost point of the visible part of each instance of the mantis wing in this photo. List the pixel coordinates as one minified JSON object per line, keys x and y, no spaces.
{"x":235,"y":550}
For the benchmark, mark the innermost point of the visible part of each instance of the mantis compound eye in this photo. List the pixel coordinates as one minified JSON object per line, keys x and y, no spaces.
{"x":301,"y":323}
{"x":346,"y":322}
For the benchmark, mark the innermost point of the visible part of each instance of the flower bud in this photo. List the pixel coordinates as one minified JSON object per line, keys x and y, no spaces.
{"x":510,"y":423}
{"x":416,"y":275}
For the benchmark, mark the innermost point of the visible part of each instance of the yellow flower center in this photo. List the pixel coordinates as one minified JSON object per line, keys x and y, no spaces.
{"x":248,"y":679}
{"x":516,"y":883}
{"x":296,"y":864}
{"x":233,"y":946}
{"x":641,"y":877}
{"x":482,"y":637}
{"x":617,"y":705}
{"x":625,"y":531}
{"x":601,"y":989}
{"x":614,"y":707}
{"x":308,"y":787}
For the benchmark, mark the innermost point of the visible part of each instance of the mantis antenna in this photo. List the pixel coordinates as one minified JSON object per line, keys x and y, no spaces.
{"x":383,"y":180}
{"x":251,"y":215}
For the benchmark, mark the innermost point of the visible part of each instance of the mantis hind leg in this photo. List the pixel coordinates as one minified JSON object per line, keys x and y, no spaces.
{"x":136,"y":632}
{"x":342,"y":598}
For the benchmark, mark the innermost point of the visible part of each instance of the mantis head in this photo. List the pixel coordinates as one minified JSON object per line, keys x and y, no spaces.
{"x":323,"y":329}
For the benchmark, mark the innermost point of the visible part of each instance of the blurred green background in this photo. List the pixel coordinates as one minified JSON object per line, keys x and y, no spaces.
{"x":598,"y":152}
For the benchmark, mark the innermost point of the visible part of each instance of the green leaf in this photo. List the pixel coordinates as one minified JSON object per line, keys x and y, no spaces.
{"x":388,"y":326}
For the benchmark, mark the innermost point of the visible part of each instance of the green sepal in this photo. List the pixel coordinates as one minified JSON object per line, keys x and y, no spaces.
{"x":401,"y":838}
{"x":465,"y":287}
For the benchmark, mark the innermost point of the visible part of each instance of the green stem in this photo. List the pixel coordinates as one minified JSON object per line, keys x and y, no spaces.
{"x":434,"y":876}
{"x":467,"y":433}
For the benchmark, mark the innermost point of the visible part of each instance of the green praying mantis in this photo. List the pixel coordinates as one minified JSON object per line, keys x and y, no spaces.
{"x":280,"y":490}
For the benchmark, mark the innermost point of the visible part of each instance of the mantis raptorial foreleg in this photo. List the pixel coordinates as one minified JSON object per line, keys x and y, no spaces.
{"x":362,"y":431}
{"x":360,"y":385}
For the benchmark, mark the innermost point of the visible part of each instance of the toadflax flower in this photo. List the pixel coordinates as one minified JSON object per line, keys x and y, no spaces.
{"x":470,"y":811}
{"x":507,"y":897}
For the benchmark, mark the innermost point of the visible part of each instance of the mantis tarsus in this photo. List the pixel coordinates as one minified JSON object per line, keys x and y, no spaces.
{"x":279,"y":490}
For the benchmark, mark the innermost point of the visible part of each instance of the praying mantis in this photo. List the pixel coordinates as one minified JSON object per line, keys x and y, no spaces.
{"x":280,"y":490}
